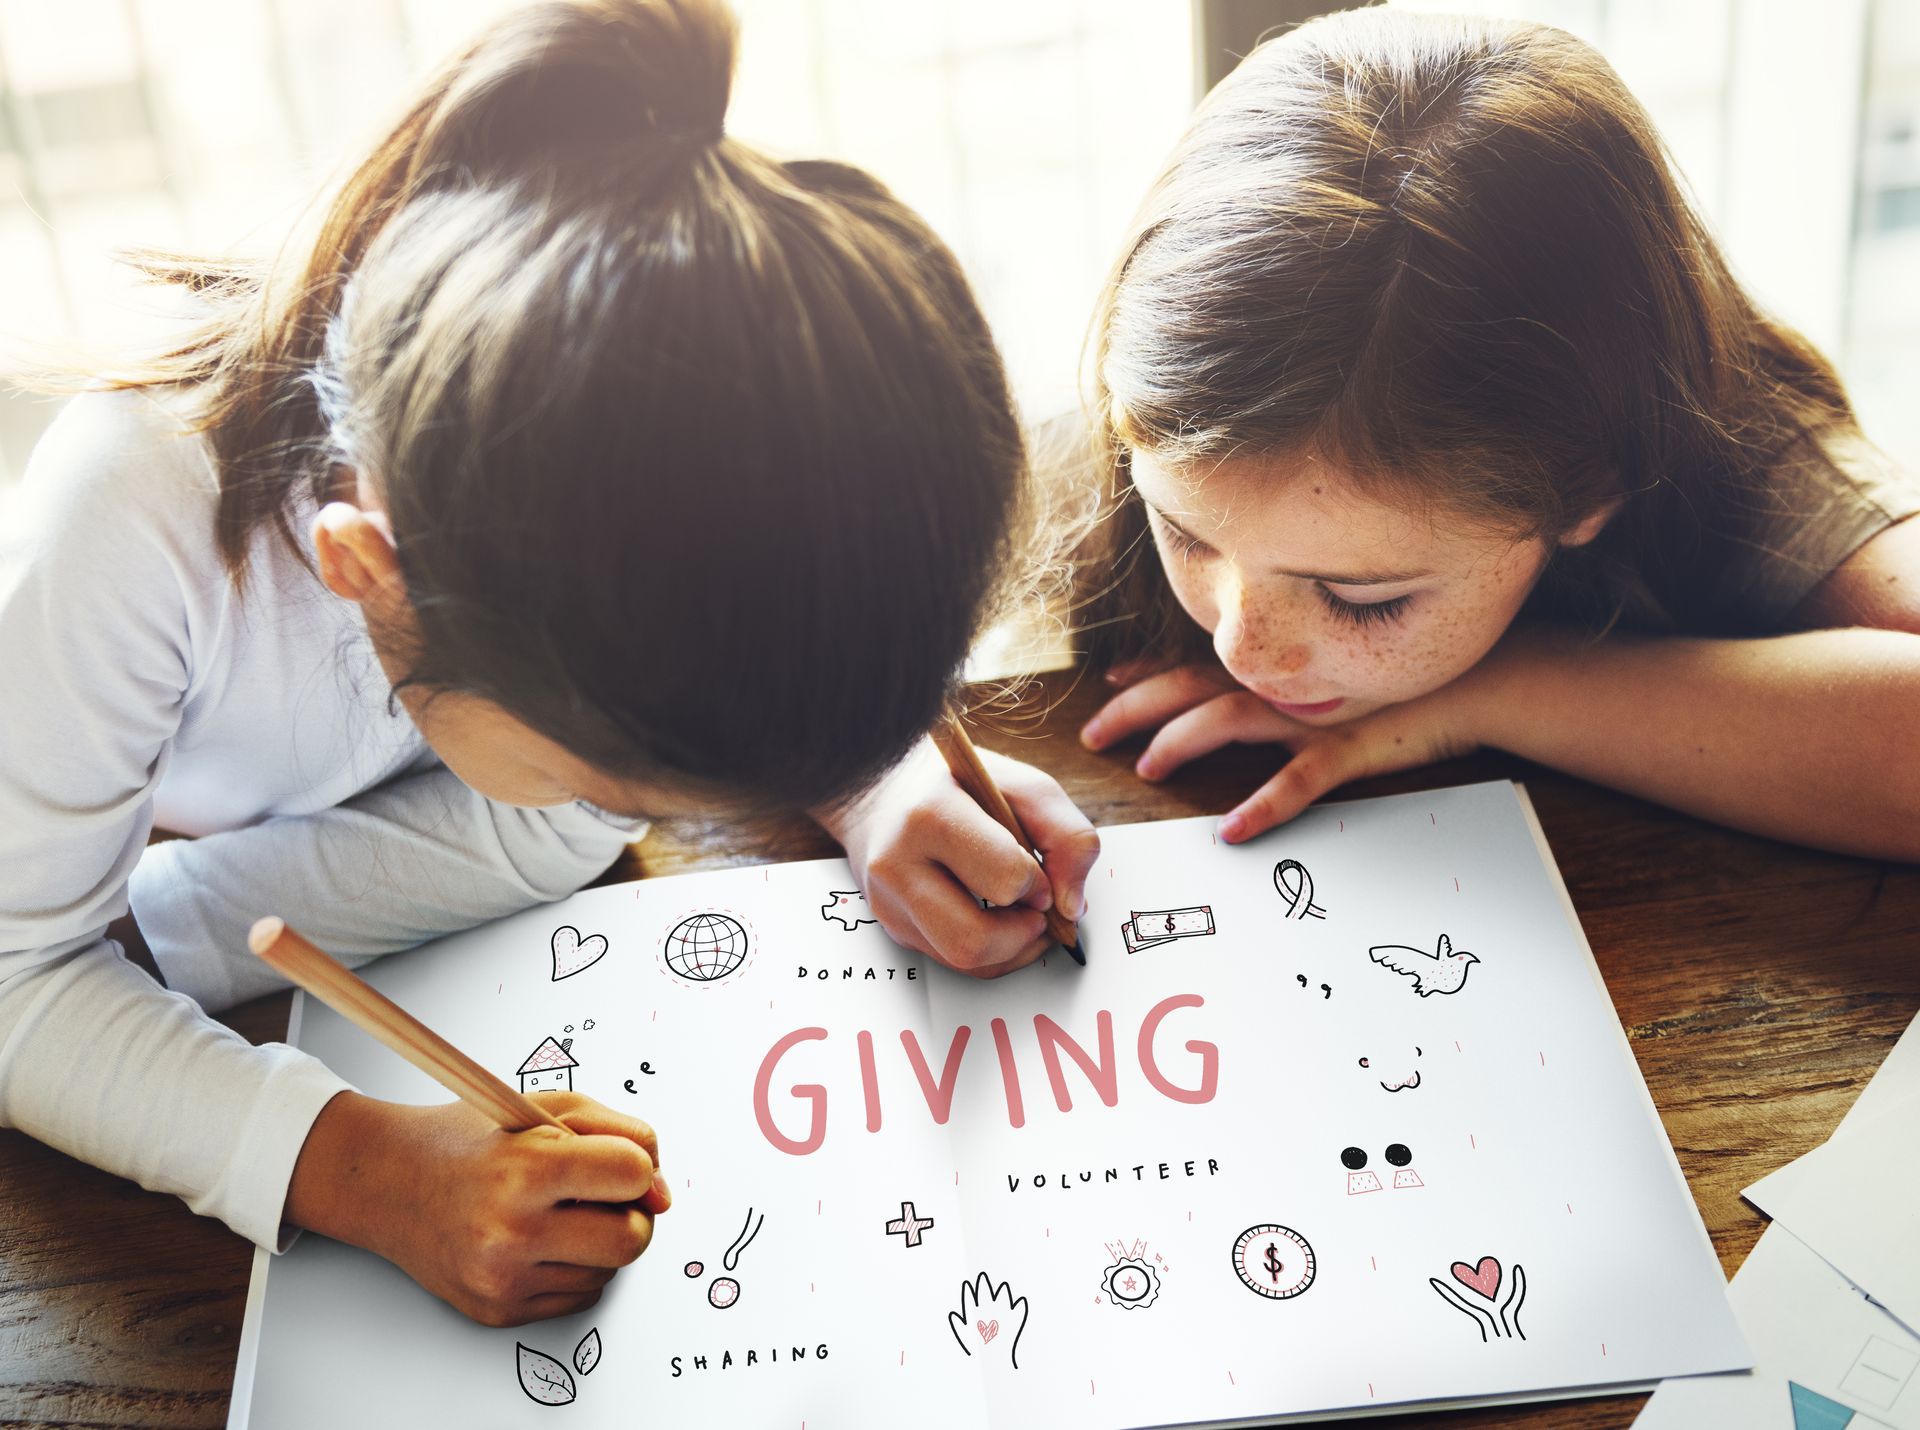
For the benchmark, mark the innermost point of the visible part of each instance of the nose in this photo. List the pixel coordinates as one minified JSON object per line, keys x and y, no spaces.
{"x":1250,"y":637}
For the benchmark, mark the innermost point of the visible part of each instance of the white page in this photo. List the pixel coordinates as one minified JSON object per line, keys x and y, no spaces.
{"x":1531,"y":1133}
{"x":1809,"y":1327}
{"x":1852,"y":1200}
{"x":1807,"y":1323}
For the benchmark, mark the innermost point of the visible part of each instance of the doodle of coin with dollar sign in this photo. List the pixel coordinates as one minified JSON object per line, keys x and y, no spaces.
{"x":1273,"y":1260}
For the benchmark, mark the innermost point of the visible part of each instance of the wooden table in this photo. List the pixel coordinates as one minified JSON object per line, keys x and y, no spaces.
{"x":1761,"y":986}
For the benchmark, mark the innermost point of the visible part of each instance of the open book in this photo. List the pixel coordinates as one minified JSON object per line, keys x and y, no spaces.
{"x":1340,"y":1120}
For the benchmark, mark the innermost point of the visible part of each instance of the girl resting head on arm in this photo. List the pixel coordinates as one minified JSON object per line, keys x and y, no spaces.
{"x":1417,"y":345}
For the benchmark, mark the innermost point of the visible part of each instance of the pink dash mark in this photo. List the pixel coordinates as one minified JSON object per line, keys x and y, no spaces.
{"x":1456,"y":1045}
{"x":1569,"y":1208}
{"x":903,"y":1357}
{"x":1543,"y":1060}
{"x":498,"y":987}
{"x":1456,"y":886}
{"x":656,"y":1016}
{"x":1376,"y":1264}
{"x":1603,"y":1348}
{"x":816,"y":1206}
{"x":1090,"y":1389}
{"x":1471,"y":1143}
{"x":1343,"y":826}
{"x":1430,"y":818}
{"x":1230,"y":1379}
{"x":1370,"y":1390}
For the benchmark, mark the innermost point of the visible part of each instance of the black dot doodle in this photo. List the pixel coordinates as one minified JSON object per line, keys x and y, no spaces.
{"x":1353,"y":1159}
{"x":1399,"y":1154}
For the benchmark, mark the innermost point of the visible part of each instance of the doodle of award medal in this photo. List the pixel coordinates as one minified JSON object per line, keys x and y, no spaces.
{"x":1273,"y":1261}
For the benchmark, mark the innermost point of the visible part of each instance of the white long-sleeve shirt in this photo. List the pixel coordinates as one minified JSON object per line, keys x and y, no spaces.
{"x":137,"y":686}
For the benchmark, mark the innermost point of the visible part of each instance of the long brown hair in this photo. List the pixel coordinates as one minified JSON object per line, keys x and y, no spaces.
{"x":700,"y":463}
{"x":1452,"y":256}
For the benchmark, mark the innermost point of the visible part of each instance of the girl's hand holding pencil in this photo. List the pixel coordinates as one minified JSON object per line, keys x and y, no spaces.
{"x":509,"y":1208}
{"x":926,"y":854}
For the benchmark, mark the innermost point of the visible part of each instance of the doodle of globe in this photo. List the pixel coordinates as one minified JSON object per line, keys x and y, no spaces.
{"x":705,"y":947}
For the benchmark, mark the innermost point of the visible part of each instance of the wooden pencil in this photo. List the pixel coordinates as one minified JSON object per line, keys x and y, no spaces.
{"x":950,"y":737}
{"x":337,"y":986}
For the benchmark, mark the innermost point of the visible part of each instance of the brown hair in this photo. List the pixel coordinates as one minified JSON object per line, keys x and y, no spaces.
{"x":1450,"y":255}
{"x":699,"y":463}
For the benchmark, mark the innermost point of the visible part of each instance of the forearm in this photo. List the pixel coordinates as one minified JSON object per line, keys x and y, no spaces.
{"x":1812,"y":737}
{"x":98,"y":1060}
{"x":401,"y":864}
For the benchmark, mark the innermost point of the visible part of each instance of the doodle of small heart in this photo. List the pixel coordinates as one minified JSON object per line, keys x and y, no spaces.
{"x":573,"y":954}
{"x":988,"y":1329}
{"x":1484,"y":1278}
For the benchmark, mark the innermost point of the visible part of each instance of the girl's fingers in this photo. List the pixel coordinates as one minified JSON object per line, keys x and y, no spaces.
{"x":973,"y":846}
{"x":558,"y":1278}
{"x":592,"y":1234}
{"x":1322,"y":765}
{"x":595,"y":1167}
{"x":957,"y":931}
{"x":1068,"y":843}
{"x":1128,"y":672}
{"x":1152,"y":702}
{"x":585,"y":1115}
{"x":1225,"y":720}
{"x":551,"y":1305}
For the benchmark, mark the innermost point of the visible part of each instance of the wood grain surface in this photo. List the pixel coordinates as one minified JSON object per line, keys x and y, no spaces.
{"x":1761,"y":985}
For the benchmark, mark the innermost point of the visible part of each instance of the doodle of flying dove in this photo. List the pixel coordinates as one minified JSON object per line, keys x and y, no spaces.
{"x":1442,"y":971}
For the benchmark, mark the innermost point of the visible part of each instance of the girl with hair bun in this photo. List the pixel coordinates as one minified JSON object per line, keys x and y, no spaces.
{"x":1451,"y":427}
{"x":576,"y":463}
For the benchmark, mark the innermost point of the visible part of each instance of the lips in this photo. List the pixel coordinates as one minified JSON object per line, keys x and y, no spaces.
{"x":1411,"y":1082}
{"x":1317,"y":707}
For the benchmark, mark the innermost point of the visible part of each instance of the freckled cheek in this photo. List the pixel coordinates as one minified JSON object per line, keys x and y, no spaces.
{"x":1194,"y":594}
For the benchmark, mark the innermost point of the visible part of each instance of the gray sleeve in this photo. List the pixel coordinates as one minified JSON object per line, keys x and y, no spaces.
{"x":406,"y":862}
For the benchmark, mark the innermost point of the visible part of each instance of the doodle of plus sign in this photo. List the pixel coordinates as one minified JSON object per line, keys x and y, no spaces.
{"x":909,"y":1225}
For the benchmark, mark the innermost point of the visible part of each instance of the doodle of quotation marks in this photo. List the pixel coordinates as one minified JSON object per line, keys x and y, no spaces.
{"x":1273,"y":1260}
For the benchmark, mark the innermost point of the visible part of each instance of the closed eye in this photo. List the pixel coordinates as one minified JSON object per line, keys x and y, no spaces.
{"x":1364,"y":613}
{"x":1178,"y":541}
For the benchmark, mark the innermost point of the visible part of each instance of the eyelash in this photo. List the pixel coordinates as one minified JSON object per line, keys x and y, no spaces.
{"x":1364,"y":613}
{"x":1359,"y":613}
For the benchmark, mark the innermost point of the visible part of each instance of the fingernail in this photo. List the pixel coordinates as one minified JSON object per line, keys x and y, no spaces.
{"x":1112,"y":677}
{"x":1233,"y":827}
{"x":1090,"y":734}
{"x":1146,"y":769}
{"x":1077,"y":905}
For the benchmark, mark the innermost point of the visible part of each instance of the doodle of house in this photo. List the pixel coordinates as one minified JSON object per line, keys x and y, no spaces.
{"x":549,"y":1067}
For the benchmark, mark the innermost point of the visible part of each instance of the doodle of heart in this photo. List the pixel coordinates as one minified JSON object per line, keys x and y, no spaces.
{"x":571,"y":953}
{"x":988,"y":1329}
{"x":1484,"y":1278}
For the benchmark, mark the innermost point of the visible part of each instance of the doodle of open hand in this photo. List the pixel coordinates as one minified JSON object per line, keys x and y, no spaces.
{"x":990,"y":1320}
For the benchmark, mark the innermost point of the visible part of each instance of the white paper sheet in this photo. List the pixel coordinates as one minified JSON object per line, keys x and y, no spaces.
{"x":1809,"y":1324}
{"x":1856,"y":1201}
{"x":1079,"y":1196}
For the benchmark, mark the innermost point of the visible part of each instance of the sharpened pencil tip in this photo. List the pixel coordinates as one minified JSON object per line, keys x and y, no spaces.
{"x":265,"y":933}
{"x":1075,"y":952}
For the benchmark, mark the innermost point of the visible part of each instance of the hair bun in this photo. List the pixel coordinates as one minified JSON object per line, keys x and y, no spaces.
{"x":566,"y":77}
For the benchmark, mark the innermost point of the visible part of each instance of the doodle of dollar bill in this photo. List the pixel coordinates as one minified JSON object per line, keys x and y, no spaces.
{"x":1152,"y":927}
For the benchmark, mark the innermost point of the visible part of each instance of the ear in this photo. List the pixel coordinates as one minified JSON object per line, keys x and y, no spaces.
{"x":1592,"y":524}
{"x":357,"y":557}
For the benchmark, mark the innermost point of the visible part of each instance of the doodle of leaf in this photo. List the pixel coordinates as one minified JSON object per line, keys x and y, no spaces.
{"x":544,"y":1378}
{"x":586,"y":1355}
